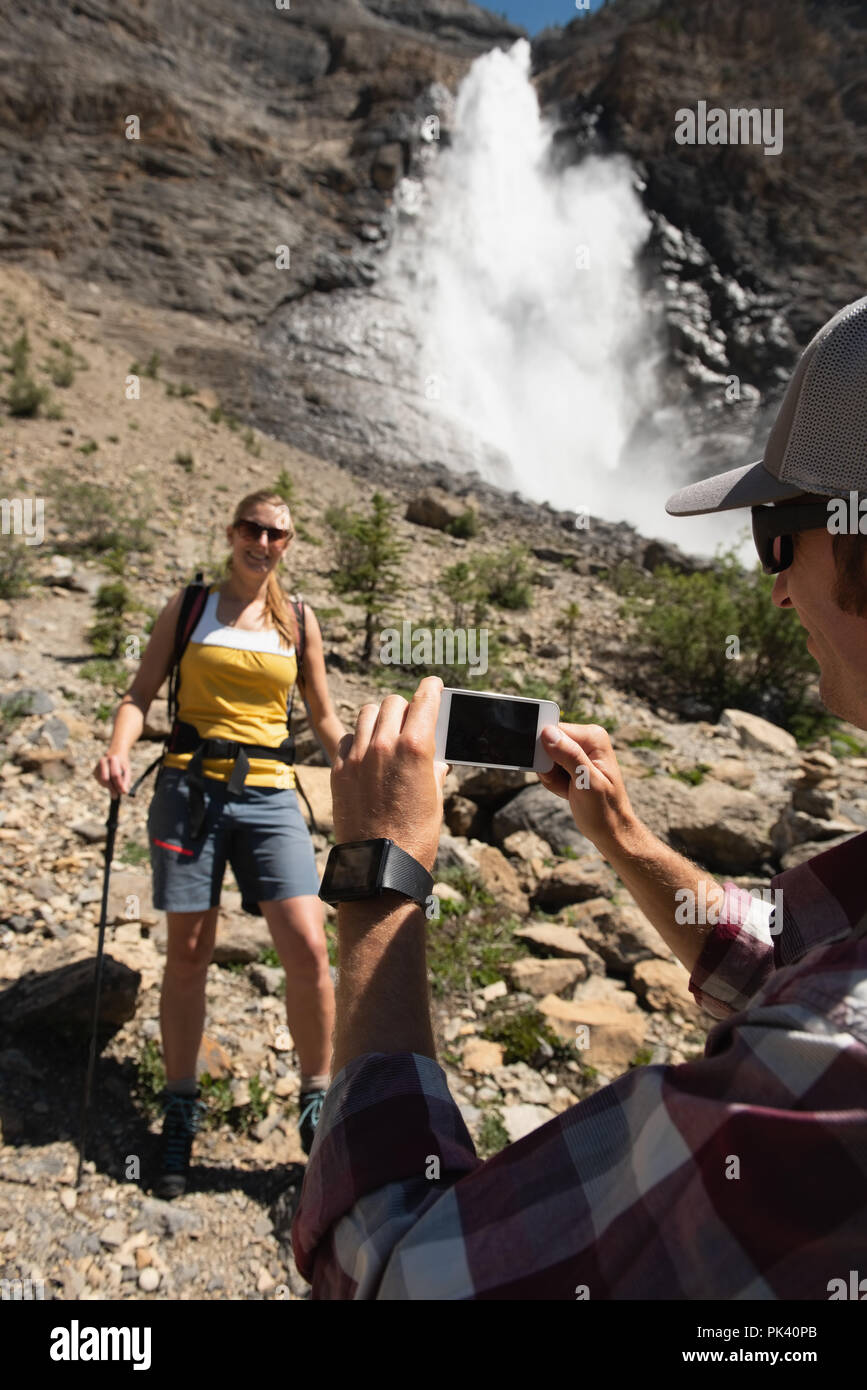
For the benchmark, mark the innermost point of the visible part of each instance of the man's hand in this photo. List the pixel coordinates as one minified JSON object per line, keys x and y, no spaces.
{"x":587,"y":773}
{"x":384,"y":782}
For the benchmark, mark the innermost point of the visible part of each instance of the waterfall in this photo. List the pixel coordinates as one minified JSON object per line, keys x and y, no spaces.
{"x":519,"y":283}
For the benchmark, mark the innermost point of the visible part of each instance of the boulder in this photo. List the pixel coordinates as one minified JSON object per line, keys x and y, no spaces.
{"x":462,"y":816}
{"x":758,"y":734}
{"x":213,"y":1059}
{"x":537,"y":809}
{"x":61,"y":999}
{"x":434,"y":508}
{"x":799,"y":854}
{"x":541,"y":977}
{"x":620,"y":933}
{"x":574,"y":881}
{"x":796,"y":828}
{"x":499,"y":878}
{"x":662,"y":985}
{"x":559,"y":940}
{"x":614,"y":1034}
{"x":492,"y":784}
{"x":604,"y":987}
{"x":316,"y":784}
{"x":454,"y":852}
{"x":387,"y":168}
{"x":733,"y":772}
{"x":723,"y":828}
{"x":522,"y":1081}
{"x":482,"y":1056}
{"x":241,"y":939}
{"x":52,"y":764}
{"x":528,"y":846}
{"x":520,"y":1120}
{"x":129,"y":898}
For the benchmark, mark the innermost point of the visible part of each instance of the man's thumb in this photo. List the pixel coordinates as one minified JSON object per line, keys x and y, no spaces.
{"x":566,"y":753}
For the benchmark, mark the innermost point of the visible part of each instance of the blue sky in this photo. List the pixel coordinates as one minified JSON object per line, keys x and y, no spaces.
{"x":534,"y":15}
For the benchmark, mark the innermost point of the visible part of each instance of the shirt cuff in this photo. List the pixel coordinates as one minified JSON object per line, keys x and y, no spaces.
{"x":738,"y":956}
{"x":387,"y":1117}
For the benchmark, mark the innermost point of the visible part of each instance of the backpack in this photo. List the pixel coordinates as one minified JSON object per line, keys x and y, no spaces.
{"x":192,"y":606}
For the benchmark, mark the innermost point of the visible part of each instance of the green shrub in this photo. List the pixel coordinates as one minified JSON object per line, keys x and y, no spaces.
{"x":506,"y":578}
{"x":90,"y":447}
{"x":522,"y":1035}
{"x":150,"y":1078}
{"x":109,"y":673}
{"x":133,"y":853}
{"x":686,"y":622}
{"x":92,"y":519}
{"x":25,"y":396}
{"x":493,"y":1135}
{"x":184,"y":459}
{"x":465,"y":526}
{"x":251,"y":444}
{"x":285,"y":488}
{"x":16,"y":568}
{"x":152,"y":366}
{"x":693,"y":776}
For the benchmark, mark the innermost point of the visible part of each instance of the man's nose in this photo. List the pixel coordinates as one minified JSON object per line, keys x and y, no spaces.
{"x":780,"y":591}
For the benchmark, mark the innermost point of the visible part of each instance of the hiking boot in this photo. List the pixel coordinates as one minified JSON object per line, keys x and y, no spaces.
{"x":180,"y":1122}
{"x":311,"y":1108}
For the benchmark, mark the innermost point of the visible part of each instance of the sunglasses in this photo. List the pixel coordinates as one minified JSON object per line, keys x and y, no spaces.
{"x":252,"y":530}
{"x":774,"y":527}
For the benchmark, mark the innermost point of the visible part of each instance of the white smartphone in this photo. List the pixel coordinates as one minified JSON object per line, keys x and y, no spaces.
{"x":478,"y":728}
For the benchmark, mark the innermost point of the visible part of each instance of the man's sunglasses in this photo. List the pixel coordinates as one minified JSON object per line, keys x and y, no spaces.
{"x":774,"y":527}
{"x":252,"y":530}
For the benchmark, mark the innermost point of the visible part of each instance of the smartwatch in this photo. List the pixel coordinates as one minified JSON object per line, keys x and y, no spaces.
{"x":365,"y":868}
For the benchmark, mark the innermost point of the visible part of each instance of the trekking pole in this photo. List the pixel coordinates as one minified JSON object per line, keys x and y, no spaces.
{"x":110,"y":832}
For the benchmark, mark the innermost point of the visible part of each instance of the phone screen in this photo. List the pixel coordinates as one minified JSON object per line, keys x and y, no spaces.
{"x":484,"y":729}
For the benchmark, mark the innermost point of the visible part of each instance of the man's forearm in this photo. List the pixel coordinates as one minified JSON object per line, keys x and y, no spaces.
{"x":654,"y":873}
{"x":382,"y":987}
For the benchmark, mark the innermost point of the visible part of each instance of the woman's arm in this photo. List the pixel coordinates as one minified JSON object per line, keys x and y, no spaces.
{"x":326,"y":723}
{"x":113,"y":770}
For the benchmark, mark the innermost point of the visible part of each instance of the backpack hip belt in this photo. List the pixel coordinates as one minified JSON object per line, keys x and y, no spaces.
{"x":185,"y":739}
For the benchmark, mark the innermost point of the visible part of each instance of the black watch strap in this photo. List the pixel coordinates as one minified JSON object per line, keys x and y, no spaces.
{"x":406,"y":875}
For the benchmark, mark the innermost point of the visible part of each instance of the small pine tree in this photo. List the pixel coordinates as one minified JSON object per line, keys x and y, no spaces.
{"x":568,"y":625}
{"x":369,"y":556}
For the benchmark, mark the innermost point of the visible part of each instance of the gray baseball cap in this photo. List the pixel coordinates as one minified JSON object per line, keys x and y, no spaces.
{"x":818,"y":443}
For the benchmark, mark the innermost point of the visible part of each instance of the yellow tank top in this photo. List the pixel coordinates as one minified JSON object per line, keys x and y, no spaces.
{"x":235,"y":684}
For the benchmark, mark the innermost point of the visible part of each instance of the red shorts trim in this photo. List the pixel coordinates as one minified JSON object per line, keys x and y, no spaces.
{"x":178,"y":848}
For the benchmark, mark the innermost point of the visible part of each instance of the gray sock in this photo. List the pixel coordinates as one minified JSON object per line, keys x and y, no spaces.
{"x":185,"y":1086}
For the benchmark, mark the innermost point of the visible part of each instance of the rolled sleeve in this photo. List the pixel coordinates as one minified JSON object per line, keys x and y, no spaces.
{"x":738,"y":956}
{"x":387,"y":1121}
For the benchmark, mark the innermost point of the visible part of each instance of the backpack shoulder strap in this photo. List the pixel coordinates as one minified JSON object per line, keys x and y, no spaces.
{"x":300,"y":612}
{"x":192,"y":606}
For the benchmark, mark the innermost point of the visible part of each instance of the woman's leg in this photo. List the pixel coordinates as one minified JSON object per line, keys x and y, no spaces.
{"x":182,"y":1002}
{"x":298,"y":931}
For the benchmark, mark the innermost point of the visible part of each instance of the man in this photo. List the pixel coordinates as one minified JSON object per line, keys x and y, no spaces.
{"x":633,"y":1193}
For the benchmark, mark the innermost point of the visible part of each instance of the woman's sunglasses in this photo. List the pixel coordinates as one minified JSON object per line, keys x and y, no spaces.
{"x":774,"y":527}
{"x":252,"y":530}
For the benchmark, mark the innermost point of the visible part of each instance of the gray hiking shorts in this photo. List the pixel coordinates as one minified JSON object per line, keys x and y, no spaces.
{"x":259,"y":831}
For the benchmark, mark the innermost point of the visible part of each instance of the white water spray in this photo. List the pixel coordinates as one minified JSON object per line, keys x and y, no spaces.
{"x":521,"y":287}
{"x":527,"y":303}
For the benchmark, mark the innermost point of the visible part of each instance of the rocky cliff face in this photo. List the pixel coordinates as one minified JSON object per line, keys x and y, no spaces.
{"x":787,"y":228}
{"x":262,"y":128}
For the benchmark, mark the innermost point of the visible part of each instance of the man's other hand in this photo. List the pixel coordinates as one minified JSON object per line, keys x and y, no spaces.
{"x":384,"y":782}
{"x":586,"y":772}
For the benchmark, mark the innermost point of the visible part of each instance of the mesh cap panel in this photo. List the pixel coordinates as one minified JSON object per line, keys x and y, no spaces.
{"x":827,"y":447}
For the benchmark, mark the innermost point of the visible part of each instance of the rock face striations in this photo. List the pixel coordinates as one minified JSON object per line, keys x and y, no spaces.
{"x":256,"y":128}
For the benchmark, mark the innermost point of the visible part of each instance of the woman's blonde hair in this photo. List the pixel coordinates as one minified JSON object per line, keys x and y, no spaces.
{"x":278,"y":611}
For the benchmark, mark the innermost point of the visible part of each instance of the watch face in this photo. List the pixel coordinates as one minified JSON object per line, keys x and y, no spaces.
{"x":352,"y":870}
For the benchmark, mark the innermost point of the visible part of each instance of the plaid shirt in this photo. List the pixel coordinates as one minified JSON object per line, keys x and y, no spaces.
{"x":740,"y":1175}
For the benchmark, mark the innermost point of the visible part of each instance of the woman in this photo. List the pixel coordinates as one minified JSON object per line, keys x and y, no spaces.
{"x":236,"y":676}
